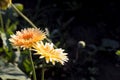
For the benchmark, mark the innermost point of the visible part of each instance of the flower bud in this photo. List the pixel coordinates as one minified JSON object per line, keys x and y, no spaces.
{"x":4,"y":4}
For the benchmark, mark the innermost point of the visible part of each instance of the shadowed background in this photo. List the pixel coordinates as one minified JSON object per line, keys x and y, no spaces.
{"x":70,"y":21}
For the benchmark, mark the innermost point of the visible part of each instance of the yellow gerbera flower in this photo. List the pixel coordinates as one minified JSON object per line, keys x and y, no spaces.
{"x":27,"y":37}
{"x":4,"y":4}
{"x":50,"y":54}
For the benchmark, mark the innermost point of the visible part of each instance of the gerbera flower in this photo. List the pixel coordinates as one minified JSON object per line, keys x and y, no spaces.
{"x":27,"y":37}
{"x":50,"y":54}
{"x":4,"y":4}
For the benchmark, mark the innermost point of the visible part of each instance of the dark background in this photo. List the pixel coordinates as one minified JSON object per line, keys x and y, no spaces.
{"x":70,"y":21}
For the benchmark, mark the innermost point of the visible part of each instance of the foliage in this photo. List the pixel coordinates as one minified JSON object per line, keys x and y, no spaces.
{"x":9,"y":22}
{"x":9,"y":71}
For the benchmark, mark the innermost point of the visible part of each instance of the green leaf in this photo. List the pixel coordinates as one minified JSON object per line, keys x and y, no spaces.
{"x":9,"y":71}
{"x":19,"y":6}
{"x":1,"y":50}
{"x":27,"y":65}
{"x":118,"y":52}
{"x":12,"y":27}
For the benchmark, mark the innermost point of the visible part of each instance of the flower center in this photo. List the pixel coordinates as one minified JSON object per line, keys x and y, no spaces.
{"x":27,"y":37}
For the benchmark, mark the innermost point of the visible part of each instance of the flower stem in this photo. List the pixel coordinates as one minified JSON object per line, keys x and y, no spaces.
{"x":21,"y":14}
{"x":33,"y":68}
{"x":28,"y":20}
{"x":43,"y":72}
{"x":1,"y":22}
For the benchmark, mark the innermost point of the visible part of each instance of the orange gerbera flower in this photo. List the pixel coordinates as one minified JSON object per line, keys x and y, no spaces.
{"x":27,"y":37}
{"x":50,"y":54}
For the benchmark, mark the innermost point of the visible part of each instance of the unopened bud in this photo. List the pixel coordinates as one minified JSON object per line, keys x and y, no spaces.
{"x":81,"y":44}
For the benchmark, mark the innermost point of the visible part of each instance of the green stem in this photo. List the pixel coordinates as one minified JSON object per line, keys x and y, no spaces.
{"x":1,"y":22}
{"x":21,"y":14}
{"x":43,"y":72}
{"x":28,"y":20}
{"x":33,"y":68}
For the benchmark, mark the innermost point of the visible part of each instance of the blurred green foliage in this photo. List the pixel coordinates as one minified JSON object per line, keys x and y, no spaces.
{"x":9,"y":55}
